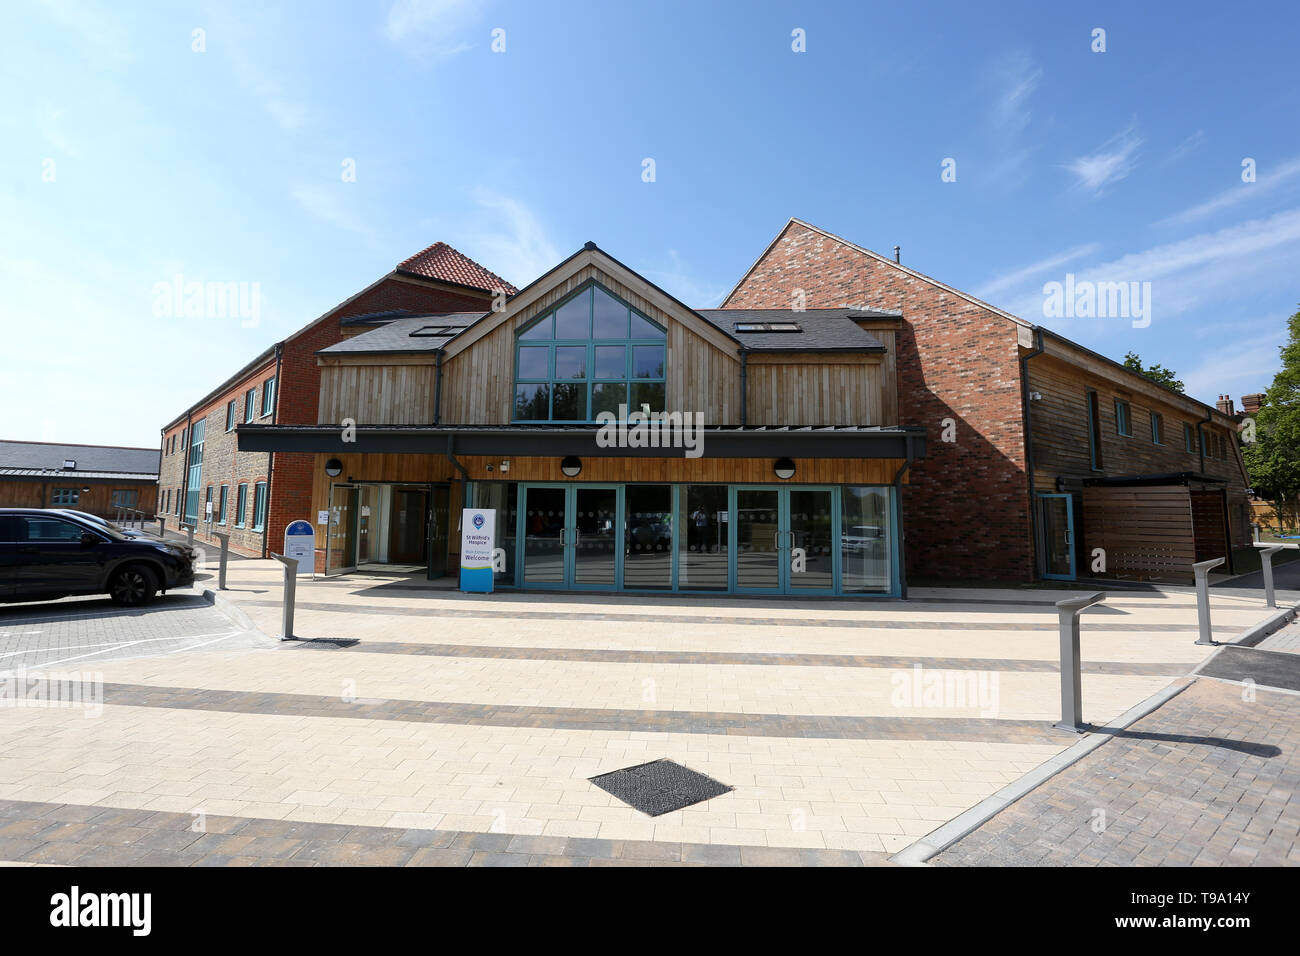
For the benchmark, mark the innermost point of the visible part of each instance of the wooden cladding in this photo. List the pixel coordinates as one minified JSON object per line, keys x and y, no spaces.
{"x":703,"y":375}
{"x":1154,"y":533}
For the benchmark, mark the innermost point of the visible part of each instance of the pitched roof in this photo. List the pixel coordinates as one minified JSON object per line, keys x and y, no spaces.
{"x":443,"y":263}
{"x":820,"y":329}
{"x":419,"y":333}
{"x":37,"y":456}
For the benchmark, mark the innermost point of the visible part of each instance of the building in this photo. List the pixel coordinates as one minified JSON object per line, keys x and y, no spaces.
{"x":253,"y":495}
{"x":106,"y":480}
{"x":862,"y":424}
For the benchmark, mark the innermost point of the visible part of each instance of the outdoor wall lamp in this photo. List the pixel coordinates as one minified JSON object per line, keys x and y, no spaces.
{"x":571,"y":466}
{"x":333,"y":467}
{"x":784,"y":468}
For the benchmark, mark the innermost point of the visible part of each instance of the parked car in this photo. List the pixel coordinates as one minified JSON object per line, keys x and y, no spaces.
{"x":48,"y":553}
{"x":862,"y":538}
{"x":96,"y":519}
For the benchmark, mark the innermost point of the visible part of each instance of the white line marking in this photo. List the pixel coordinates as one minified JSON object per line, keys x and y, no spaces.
{"x":143,"y":640}
{"x":44,"y":664}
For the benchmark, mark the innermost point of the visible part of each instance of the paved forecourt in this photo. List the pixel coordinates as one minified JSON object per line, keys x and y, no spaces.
{"x":854,"y":727}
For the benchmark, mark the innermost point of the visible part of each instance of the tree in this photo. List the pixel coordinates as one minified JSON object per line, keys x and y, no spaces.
{"x":1156,"y":373}
{"x":1273,"y":458}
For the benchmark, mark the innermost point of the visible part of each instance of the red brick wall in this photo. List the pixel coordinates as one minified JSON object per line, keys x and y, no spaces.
{"x":299,"y":397}
{"x":965,"y":509}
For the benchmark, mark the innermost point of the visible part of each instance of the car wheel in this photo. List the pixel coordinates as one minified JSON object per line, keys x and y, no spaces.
{"x":132,"y":585}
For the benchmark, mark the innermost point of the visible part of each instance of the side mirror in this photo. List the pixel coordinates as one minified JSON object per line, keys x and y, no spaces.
{"x":89,"y":538}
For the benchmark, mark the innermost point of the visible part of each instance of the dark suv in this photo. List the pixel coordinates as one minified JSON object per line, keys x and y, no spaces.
{"x":47,"y":554}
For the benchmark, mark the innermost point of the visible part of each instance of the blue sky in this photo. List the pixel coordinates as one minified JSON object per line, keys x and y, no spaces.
{"x":131,"y":159}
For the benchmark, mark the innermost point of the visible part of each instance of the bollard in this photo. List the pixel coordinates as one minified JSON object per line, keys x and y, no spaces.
{"x":162,"y":527}
{"x":225,"y":553}
{"x":189,"y":534}
{"x":1071,"y":678}
{"x":1202,"y":569}
{"x":290,"y":588}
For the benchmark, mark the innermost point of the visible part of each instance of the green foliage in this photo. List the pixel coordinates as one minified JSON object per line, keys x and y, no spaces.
{"x":1156,"y":373}
{"x":1273,"y":459}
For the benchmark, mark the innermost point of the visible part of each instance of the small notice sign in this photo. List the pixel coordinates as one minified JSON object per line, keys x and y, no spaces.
{"x":300,"y":543}
{"x":477,"y":539}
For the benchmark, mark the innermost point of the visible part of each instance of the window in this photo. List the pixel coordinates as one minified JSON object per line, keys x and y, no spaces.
{"x":179,"y":495}
{"x":63,"y":497}
{"x":589,"y":355}
{"x":195,"y":471}
{"x":767,"y":327}
{"x":259,"y":506}
{"x":241,"y":505}
{"x":1157,"y":428}
{"x":221,"y":504}
{"x":51,"y":530}
{"x":125,"y":497}
{"x":230,"y":415}
{"x":268,"y":396}
{"x":1094,"y":431}
{"x":1122,"y":424}
{"x":1189,"y":437}
{"x":250,"y":404}
{"x":207,"y":501}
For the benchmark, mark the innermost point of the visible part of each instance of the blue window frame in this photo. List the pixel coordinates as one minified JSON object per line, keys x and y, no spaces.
{"x":259,"y":506}
{"x":230,"y":415}
{"x":241,"y":505}
{"x":590,"y":354}
{"x":250,"y":404}
{"x":221,"y":504}
{"x":268,"y":396}
{"x":65,"y":496}
{"x":1123,"y":426}
{"x":196,"y":471}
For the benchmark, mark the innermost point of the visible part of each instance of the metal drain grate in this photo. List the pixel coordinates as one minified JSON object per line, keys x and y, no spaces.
{"x":660,"y":786}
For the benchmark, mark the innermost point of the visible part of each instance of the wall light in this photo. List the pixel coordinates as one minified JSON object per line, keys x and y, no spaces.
{"x":571,"y":466}
{"x":784,"y":468}
{"x":333,"y":467}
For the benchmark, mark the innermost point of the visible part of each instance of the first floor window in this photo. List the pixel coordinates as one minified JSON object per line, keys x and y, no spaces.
{"x":1189,"y":437}
{"x":250,"y":403}
{"x":259,"y":506}
{"x":1122,"y":418}
{"x":268,"y":396}
{"x":1157,"y":428}
{"x":241,"y":505}
{"x":230,"y":415}
{"x":65,"y":497}
{"x":221,"y":504}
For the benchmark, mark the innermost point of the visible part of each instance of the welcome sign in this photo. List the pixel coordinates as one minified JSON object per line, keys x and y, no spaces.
{"x":478,"y":528}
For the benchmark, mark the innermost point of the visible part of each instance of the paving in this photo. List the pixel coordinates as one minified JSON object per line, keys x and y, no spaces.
{"x":79,"y":633}
{"x":1287,"y":640}
{"x":845,"y":730}
{"x":1211,"y":778}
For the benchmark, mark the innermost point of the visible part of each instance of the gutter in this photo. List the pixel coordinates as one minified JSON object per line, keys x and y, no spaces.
{"x":1029,"y":445}
{"x":898,"y":503}
{"x":744,"y":386}
{"x":437,"y":386}
{"x":270,"y":460}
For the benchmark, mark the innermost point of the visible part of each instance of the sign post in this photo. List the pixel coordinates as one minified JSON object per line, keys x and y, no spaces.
{"x":477,"y":538}
{"x":300,"y":545}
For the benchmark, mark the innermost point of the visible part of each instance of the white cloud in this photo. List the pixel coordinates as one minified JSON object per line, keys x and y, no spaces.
{"x":432,"y":28}
{"x":515,"y":245}
{"x":1186,"y":147}
{"x":1016,"y":279}
{"x":1016,"y":77}
{"x":1111,"y":162}
{"x":1268,"y":179}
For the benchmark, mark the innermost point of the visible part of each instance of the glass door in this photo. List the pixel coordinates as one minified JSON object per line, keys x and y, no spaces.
{"x":757,"y":529}
{"x":543,"y":514}
{"x":1057,"y":536}
{"x":594,"y":538}
{"x":341,"y":537}
{"x":809,"y":540}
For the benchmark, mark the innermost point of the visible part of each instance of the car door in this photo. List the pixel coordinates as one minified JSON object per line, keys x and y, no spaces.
{"x":8,"y":555}
{"x":53,"y":559}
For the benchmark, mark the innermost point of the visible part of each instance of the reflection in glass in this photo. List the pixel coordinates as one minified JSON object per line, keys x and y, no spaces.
{"x":702,"y":545}
{"x":811,"y":530}
{"x":758,"y":556}
{"x":648,"y":537}
{"x":866,"y":546}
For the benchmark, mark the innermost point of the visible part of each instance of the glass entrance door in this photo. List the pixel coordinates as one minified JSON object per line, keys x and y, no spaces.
{"x":341,"y":536}
{"x":594,"y":538}
{"x":543,"y":513}
{"x":1057,"y":536}
{"x":785,"y":540}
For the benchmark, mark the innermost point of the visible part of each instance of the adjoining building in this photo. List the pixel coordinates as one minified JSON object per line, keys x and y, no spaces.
{"x":110,"y":481}
{"x":861,"y":424}
{"x":254,"y":495}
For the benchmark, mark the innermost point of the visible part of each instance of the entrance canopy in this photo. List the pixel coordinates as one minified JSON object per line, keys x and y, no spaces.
{"x":844,"y":441}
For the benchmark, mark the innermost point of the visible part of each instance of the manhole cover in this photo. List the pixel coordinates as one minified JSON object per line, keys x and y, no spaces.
{"x":660,"y":786}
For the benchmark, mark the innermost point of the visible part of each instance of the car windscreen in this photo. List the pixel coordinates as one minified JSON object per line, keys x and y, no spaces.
{"x":43,"y":529}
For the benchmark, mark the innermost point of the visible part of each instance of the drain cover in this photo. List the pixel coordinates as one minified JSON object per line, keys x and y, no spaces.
{"x":660,"y":786}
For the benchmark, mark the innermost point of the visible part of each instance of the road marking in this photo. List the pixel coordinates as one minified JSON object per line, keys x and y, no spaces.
{"x":109,"y":647}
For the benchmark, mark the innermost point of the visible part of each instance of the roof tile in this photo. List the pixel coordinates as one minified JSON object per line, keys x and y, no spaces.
{"x":440,"y":261}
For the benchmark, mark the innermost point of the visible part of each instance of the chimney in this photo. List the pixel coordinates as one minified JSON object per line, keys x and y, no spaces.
{"x":1250,"y":403}
{"x":1224,"y":404}
{"x":897,"y":251}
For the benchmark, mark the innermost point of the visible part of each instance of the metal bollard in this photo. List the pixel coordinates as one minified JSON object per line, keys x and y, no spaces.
{"x":1201,"y":570}
{"x":189,"y":532}
{"x":290,"y":590}
{"x":162,"y":527}
{"x":1071,"y":677}
{"x":225,"y":553}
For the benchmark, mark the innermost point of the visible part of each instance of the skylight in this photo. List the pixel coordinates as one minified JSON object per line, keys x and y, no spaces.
{"x":437,"y":330}
{"x":768,"y":327}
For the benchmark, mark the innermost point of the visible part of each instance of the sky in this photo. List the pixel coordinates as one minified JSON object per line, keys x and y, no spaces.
{"x":293,"y":153}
